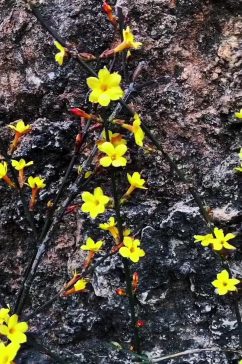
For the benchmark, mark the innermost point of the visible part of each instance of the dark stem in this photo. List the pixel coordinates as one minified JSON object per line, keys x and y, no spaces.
{"x":125,"y":262}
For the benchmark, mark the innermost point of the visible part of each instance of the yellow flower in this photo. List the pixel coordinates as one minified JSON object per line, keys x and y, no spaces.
{"x":224,"y":284}
{"x":131,"y":249}
{"x":3,"y":169}
{"x":136,"y":130}
{"x":128,"y":42}
{"x":3,"y":174}
{"x":8,"y":352}
{"x":238,"y":169}
{"x":238,"y":114}
{"x":205,"y":240}
{"x":36,"y":182}
{"x":221,"y":241}
{"x":4,"y":315}
{"x":114,"y":155}
{"x":94,"y":203}
{"x":19,"y":165}
{"x":105,"y":88}
{"x":111,"y":227}
{"x":92,"y":246}
{"x":20,"y":127}
{"x":80,"y":285}
{"x":135,"y":180}
{"x":14,"y":330}
{"x":59,"y":57}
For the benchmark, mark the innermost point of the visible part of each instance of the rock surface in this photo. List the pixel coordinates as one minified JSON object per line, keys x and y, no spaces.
{"x":197,"y":45}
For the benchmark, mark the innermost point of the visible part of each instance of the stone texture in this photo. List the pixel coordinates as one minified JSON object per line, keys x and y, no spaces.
{"x":197,"y":44}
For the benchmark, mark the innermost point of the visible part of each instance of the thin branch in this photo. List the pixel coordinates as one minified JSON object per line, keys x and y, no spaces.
{"x":125,"y":262}
{"x":193,"y":351}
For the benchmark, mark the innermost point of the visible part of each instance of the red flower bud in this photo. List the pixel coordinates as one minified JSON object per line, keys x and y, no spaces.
{"x":80,"y":113}
{"x":140,"y":323}
{"x":71,"y":209}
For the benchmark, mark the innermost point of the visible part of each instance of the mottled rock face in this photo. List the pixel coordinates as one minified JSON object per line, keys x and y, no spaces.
{"x":197,"y":46}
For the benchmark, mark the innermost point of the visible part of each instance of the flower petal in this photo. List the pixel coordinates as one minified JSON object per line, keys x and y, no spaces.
{"x":93,"y":82}
{"x":104,"y":99}
{"x":124,"y":252}
{"x":105,"y":161}
{"x":115,"y":93}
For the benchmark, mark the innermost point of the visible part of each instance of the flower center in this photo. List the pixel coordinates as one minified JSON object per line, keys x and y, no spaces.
{"x":132,"y":250}
{"x":97,"y":202}
{"x":104,"y":87}
{"x":225,"y":284}
{"x":12,"y":331}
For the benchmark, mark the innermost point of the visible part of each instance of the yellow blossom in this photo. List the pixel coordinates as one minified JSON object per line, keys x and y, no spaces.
{"x":224,"y":284}
{"x":80,"y":285}
{"x":20,"y":127}
{"x":238,"y":169}
{"x":21,"y":164}
{"x":94,"y":203}
{"x":205,"y":240}
{"x":131,"y":249}
{"x":14,"y":330}
{"x":238,"y":114}
{"x":105,"y":88}
{"x":92,"y":246}
{"x":114,"y":155}
{"x":8,"y":352}
{"x":111,"y":227}
{"x":217,"y":240}
{"x":135,"y":182}
{"x":4,"y":315}
{"x":36,"y":182}
{"x":3,"y":169}
{"x":3,"y":174}
{"x":136,"y":130}
{"x":59,"y":57}
{"x":221,"y":241}
{"x":128,"y":41}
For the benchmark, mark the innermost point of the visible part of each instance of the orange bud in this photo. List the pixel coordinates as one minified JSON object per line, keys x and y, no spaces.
{"x":135,"y":281}
{"x":106,"y":7}
{"x":120,"y":292}
{"x":109,"y":11}
{"x":79,"y":140}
